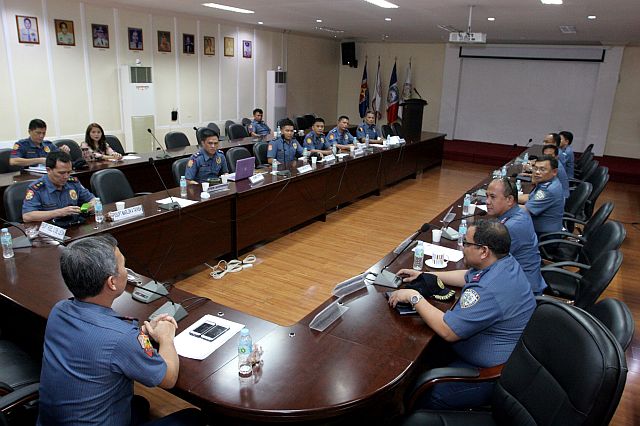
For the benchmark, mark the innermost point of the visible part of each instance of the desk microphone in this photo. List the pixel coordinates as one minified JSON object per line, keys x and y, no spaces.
{"x":166,"y":206}
{"x":389,"y":279}
{"x":20,"y":242}
{"x":153,"y":290}
{"x":164,"y":155}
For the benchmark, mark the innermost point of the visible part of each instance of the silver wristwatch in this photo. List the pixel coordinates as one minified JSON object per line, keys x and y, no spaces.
{"x":415,"y":299}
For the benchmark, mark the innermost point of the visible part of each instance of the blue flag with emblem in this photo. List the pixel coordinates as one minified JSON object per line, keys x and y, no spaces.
{"x":363,"y":100}
{"x":392,"y":97}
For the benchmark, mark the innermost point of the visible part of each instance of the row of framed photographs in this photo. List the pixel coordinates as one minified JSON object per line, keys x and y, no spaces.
{"x":27,"y":27}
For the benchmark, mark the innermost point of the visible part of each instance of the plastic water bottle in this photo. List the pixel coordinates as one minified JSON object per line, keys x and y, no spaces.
{"x":503,"y":172}
{"x":518,"y":186}
{"x":7,"y":244}
{"x":462,"y":230}
{"x":334,"y":149}
{"x":274,"y":167}
{"x":388,"y":141}
{"x":525,"y":159}
{"x":245,"y":345}
{"x":278,"y":132}
{"x":99,"y":212}
{"x":418,"y":256}
{"x":465,"y":204}
{"x":366,"y":141}
{"x":183,"y":186}
{"x":305,"y":153}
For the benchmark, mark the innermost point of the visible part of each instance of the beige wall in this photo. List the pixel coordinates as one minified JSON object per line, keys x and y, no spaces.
{"x":623,"y":139}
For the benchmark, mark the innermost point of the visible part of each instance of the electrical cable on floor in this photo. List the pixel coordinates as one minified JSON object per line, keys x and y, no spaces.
{"x":223,"y":267}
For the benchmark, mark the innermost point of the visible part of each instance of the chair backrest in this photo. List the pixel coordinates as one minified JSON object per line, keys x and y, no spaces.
{"x":588,"y":169}
{"x":110,"y":185}
{"x":599,"y":180}
{"x":13,"y":197}
{"x":5,"y":154}
{"x":246,"y":121}
{"x":300,"y":122}
{"x":616,"y":316}
{"x":115,"y":144}
{"x":226,"y":126}
{"x":608,"y":236}
{"x":177,"y":169}
{"x":598,"y":218}
{"x":234,"y":154}
{"x":577,"y":198}
{"x":74,"y":148}
{"x":260,"y":152}
{"x":175,"y":140}
{"x":397,"y":129}
{"x":308,"y":120}
{"x":386,"y":130}
{"x":597,"y":278}
{"x":238,"y":131}
{"x":540,"y":383}
{"x":281,"y":121}
{"x":584,"y":159}
{"x":214,"y":126}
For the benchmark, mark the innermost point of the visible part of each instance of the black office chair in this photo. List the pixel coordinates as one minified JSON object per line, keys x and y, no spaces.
{"x":13,"y":197}
{"x":5,"y":155}
{"x":599,"y":180}
{"x":616,"y":316}
{"x":176,"y":140}
{"x":19,"y":376}
{"x":582,"y":164}
{"x":574,"y":375}
{"x":584,"y":173}
{"x":234,"y":154}
{"x":386,"y":130}
{"x":588,"y":150}
{"x":238,"y":131}
{"x":598,"y":218}
{"x":245,"y":122}
{"x":111,"y":185}
{"x":397,"y":129}
{"x":214,"y":127}
{"x":585,"y":287}
{"x":574,"y":205}
{"x":260,"y":152}
{"x":300,"y":123}
{"x":178,"y":168}
{"x":226,"y":126}
{"x":74,"y":149}
{"x":308,"y":120}
{"x":115,"y":144}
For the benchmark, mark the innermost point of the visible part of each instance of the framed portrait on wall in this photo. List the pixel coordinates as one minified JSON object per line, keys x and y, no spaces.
{"x":209,"y":45}
{"x":187,"y":44}
{"x":164,"y":41}
{"x":100,"y":35}
{"x":135,"y":38}
{"x":228,"y":46}
{"x":65,"y":35}
{"x":27,"y":27}
{"x":246,"y":48}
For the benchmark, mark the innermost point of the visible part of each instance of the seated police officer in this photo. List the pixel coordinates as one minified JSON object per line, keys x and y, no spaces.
{"x":502,"y":202}
{"x":92,"y":354}
{"x":258,"y":127}
{"x":285,"y":149}
{"x":340,"y":136}
{"x":553,"y":151}
{"x":208,"y":162}
{"x":34,"y":149}
{"x":566,"y":157}
{"x":56,"y":194}
{"x":485,"y":324}
{"x":367,"y":128}
{"x":545,"y":203}
{"x":315,"y":141}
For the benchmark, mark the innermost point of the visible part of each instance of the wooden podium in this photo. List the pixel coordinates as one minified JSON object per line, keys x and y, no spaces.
{"x":412,"y":110}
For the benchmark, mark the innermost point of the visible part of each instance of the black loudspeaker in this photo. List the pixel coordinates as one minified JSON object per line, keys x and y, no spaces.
{"x":174,"y":115}
{"x":349,"y":54}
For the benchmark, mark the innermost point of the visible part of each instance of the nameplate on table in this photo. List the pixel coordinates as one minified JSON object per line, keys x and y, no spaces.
{"x":358,"y":152}
{"x":128,"y":213}
{"x":256,"y":178}
{"x":304,"y":169}
{"x":52,"y":231}
{"x":218,"y":187}
{"x":329,"y":158}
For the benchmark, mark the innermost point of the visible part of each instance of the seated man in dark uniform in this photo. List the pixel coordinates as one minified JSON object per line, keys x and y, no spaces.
{"x":258,"y":127}
{"x":566,"y":157}
{"x":315,"y":141}
{"x":285,"y":149}
{"x":340,"y":136}
{"x":368,"y":128}
{"x":208,"y":162}
{"x":553,"y":151}
{"x":34,"y":149}
{"x":485,"y":324}
{"x":92,"y":354}
{"x":56,"y":194}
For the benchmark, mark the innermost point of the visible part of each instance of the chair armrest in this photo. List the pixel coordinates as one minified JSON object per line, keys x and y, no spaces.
{"x":131,"y":153}
{"x":569,"y":263}
{"x":564,"y":234}
{"x":5,"y":389}
{"x":560,"y":282}
{"x":573,"y":219}
{"x":567,"y":214}
{"x":140,"y":194}
{"x":448,"y":374}
{"x":19,"y":397}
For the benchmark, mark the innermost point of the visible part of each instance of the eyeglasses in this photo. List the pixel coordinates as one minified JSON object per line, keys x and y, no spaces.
{"x":466,"y":243}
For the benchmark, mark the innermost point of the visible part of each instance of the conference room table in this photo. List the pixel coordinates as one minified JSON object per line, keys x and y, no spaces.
{"x":355,"y":370}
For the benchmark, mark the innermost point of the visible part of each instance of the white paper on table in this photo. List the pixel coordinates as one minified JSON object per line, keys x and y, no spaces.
{"x":481,"y":207}
{"x":193,"y":347}
{"x":451,"y":254}
{"x":183,"y":202}
{"x":130,"y":157}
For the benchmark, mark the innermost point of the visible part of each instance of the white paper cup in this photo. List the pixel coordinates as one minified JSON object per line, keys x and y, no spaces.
{"x":205,"y":186}
{"x":436,"y":234}
{"x":472,"y":208}
{"x":314,"y":160}
{"x":224,"y":178}
{"x":119,"y":205}
{"x":204,"y":195}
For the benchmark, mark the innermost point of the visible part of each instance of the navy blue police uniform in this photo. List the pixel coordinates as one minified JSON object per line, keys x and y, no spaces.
{"x":546,"y":206}
{"x":314,"y":141}
{"x":365,"y":129}
{"x":201,"y":167}
{"x":42,"y":195}
{"x":260,"y":128}
{"x":345,"y":138}
{"x":25,"y":148}
{"x":567,"y":158}
{"x":284,"y":151}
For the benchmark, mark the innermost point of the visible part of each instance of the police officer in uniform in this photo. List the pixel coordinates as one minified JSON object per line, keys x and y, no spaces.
{"x":55,"y":194}
{"x":92,"y":354}
{"x":545,"y":203}
{"x":340,"y":136}
{"x":553,"y":151}
{"x":33,"y":150}
{"x":501,"y":202}
{"x":285,"y":149}
{"x":485,"y":324}
{"x":315,"y":141}
{"x":566,"y":157}
{"x":208,"y":162}
{"x":368,"y":127}
{"x":257,"y":126}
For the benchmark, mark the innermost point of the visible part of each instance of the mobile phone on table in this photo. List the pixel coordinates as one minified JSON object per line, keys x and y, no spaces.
{"x":202,"y":328}
{"x":215,"y":331}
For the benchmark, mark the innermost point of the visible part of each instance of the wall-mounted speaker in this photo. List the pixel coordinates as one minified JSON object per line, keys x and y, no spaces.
{"x":349,"y":54}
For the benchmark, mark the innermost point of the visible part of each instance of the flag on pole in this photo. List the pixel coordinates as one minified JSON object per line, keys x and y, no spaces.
{"x":392,"y":97}
{"x":377,"y":94}
{"x":407,"y":88}
{"x":363,"y":100}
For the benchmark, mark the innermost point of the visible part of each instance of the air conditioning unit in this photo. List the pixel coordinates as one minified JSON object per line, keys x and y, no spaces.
{"x":138,"y":107}
{"x":464,"y":37}
{"x":276,"y":97}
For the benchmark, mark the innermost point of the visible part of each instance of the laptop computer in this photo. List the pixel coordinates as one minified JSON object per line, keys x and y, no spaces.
{"x":244,"y":169}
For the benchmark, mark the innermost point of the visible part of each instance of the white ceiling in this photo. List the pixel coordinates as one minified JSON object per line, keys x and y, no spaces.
{"x":618,"y":21}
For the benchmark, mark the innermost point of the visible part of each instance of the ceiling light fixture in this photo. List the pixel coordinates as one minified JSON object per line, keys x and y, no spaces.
{"x":318,"y":21}
{"x":491,"y":19}
{"x":387,"y":19}
{"x":551,"y":1}
{"x":227,"y":8}
{"x":383,"y":3}
{"x":260,"y":23}
{"x":591,"y":17}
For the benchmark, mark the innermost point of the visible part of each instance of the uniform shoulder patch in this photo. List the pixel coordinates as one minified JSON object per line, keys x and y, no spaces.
{"x":331,"y":136}
{"x":295,"y":145}
{"x":145,"y":344}
{"x":218,"y":160}
{"x":360,"y":128}
{"x":16,"y":146}
{"x":309,"y":140}
{"x":469,"y":298}
{"x":270,"y":147}
{"x":190,"y":163}
{"x":29,"y":194}
{"x":540,"y":195}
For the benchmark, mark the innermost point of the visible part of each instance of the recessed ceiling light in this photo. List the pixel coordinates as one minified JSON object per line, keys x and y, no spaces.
{"x":383,"y":3}
{"x":591,"y":17}
{"x":227,"y":8}
{"x":551,"y":1}
{"x":387,"y":19}
{"x":491,"y":19}
{"x":260,"y":23}
{"x":318,"y":20}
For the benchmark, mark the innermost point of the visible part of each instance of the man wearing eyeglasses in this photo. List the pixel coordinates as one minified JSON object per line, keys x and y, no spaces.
{"x":545,"y":203}
{"x":485,"y":324}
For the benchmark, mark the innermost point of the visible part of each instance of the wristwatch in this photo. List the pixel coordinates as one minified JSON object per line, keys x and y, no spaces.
{"x":415,"y":299}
